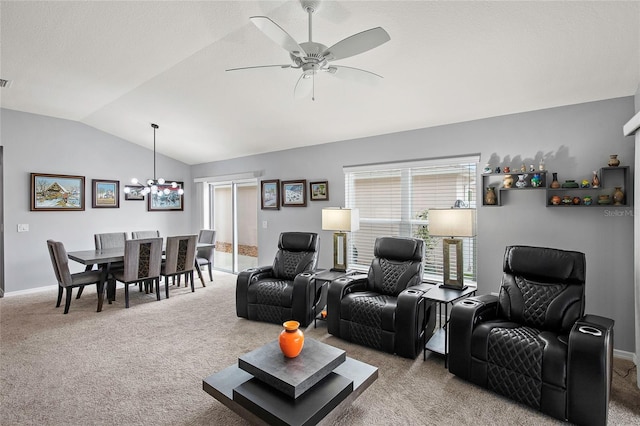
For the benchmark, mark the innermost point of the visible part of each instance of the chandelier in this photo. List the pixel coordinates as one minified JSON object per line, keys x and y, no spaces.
{"x":155,"y":185}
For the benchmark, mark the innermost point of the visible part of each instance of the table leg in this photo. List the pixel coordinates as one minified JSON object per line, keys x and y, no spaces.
{"x":100,"y":295}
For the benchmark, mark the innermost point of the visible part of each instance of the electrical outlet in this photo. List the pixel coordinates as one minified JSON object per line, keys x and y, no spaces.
{"x":264,"y":224}
{"x":23,"y":227}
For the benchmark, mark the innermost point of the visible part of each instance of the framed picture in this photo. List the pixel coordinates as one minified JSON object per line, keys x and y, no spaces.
{"x":319,"y":190}
{"x":166,"y":200}
{"x":294,"y":193}
{"x":135,"y":193}
{"x":105,"y":193}
{"x":270,"y":194}
{"x":56,"y":192}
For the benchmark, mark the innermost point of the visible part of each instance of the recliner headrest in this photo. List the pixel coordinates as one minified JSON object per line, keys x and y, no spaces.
{"x":399,"y":248}
{"x":546,"y":264}
{"x":298,"y":241}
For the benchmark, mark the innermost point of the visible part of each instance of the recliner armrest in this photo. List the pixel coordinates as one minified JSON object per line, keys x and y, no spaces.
{"x":410,"y":320}
{"x":337,"y":289}
{"x":589,"y":370}
{"x":303,"y":297}
{"x":465,"y":314}
{"x":245,"y":278}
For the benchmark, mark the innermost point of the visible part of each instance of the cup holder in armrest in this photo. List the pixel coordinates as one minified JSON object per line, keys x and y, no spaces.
{"x":585,"y":329}
{"x":305,"y":274}
{"x":411,"y":291}
{"x":469,"y":302}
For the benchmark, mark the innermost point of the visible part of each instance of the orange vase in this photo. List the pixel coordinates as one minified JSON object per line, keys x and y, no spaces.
{"x":291,"y":339}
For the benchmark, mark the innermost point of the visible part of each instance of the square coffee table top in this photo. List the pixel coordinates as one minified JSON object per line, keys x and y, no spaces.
{"x":292,"y":376}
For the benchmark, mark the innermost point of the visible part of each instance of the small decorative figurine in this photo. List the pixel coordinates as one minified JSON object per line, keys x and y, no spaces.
{"x":585,"y":183}
{"x":506,"y":169}
{"x":531,"y":168}
{"x":507,"y":182}
{"x":587,"y":200}
{"x":498,"y":169}
{"x":487,"y":168}
{"x":523,"y":168}
{"x":613,"y":160}
{"x":536,"y":180}
{"x":541,"y":166}
{"x":595,"y":182}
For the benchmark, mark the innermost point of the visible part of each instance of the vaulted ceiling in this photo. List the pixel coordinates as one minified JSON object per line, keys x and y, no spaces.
{"x":119,"y":66}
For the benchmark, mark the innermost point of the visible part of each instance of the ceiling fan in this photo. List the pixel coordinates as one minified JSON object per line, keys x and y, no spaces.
{"x":313,"y":58}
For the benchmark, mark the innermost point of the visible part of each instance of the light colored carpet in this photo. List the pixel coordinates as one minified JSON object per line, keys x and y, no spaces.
{"x":144,"y":366}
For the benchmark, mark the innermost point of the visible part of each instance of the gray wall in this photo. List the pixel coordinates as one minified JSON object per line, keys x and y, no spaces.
{"x":574,"y":140}
{"x":35,"y":143}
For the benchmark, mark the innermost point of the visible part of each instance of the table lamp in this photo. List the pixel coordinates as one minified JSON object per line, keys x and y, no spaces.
{"x":341,"y":220}
{"x":452,"y":223}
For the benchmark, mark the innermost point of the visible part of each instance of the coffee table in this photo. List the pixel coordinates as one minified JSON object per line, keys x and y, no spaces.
{"x":265,"y":387}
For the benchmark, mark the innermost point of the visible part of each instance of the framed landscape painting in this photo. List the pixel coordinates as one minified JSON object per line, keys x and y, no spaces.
{"x":294,"y":193}
{"x":166,"y":199}
{"x":51,"y":192}
{"x":270,"y":194}
{"x":319,"y":191}
{"x":105,"y":193}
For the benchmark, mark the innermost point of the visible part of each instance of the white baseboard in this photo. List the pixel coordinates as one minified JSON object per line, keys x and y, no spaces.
{"x":30,"y":290}
{"x":630,"y":356}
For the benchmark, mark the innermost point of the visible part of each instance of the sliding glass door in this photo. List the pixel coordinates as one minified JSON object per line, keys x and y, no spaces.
{"x":234,"y":216}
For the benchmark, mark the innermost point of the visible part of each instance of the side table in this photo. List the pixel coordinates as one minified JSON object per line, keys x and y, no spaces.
{"x":321,"y":281}
{"x":439,"y":342}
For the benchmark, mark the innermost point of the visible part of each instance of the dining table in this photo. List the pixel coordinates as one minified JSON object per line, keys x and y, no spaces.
{"x":105,"y":257}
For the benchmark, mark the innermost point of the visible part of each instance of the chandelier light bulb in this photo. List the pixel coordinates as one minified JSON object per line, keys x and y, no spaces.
{"x":134,"y":181}
{"x":154,"y":189}
{"x":127,"y":190}
{"x":180,"y":191}
{"x":146,"y":190}
{"x":160,"y":181}
{"x":174,"y":184}
{"x":166,"y":191}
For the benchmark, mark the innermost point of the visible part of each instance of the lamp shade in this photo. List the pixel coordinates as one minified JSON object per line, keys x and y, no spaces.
{"x":339,"y":219}
{"x":452,"y":222}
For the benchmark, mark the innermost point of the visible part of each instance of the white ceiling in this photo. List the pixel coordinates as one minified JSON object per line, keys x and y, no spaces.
{"x":119,"y":66}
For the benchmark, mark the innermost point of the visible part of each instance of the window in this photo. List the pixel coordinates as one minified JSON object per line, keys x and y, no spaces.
{"x":394,"y":200}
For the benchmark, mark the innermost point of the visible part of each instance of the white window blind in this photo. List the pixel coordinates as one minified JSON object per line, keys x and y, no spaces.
{"x":394,"y":200}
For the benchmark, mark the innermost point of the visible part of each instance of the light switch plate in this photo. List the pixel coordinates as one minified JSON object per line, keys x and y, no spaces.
{"x":23,"y":227}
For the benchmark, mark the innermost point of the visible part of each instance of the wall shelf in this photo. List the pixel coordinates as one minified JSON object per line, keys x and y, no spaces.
{"x":610,"y":178}
{"x":495,"y":180}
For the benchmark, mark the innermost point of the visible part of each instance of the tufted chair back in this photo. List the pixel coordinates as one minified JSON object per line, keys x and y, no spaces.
{"x":297,"y":252}
{"x":397,"y":264}
{"x":542,"y":287}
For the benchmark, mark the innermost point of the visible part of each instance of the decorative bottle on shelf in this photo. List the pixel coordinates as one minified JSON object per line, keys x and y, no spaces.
{"x":490,"y":197}
{"x":618,"y":196}
{"x":521,"y":183}
{"x":595,"y":182}
{"x":554,"y":183}
{"x":613,"y":160}
{"x":291,"y":339}
{"x":507,"y":182}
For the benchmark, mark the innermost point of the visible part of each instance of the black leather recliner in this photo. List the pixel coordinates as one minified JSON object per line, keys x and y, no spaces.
{"x":385,"y":309}
{"x":285,"y":290}
{"x":533,"y":343}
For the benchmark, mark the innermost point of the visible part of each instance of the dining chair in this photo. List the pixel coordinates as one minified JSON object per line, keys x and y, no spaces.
{"x":205,"y":255}
{"x":107,"y":241}
{"x":66,"y":280}
{"x":136,"y":235}
{"x":142,"y":259}
{"x":179,"y":260}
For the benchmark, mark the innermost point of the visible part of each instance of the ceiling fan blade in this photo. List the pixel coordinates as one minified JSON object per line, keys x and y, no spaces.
{"x":278,"y":35}
{"x":354,"y":74}
{"x":357,"y":43}
{"x":304,"y":87}
{"x":259,"y":66}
